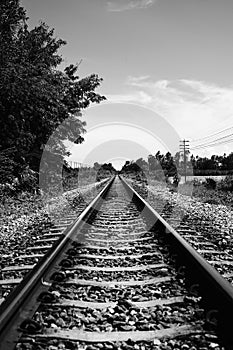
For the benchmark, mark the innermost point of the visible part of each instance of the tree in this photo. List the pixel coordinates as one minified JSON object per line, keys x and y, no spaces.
{"x":35,"y":97}
{"x":152,"y":162}
{"x":105,"y":170}
{"x":142,"y":164}
{"x":96,"y":166}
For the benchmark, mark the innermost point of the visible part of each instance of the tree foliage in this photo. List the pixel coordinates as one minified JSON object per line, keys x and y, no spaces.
{"x":216,"y":163}
{"x":35,"y":96}
{"x":104,"y":170}
{"x":164,"y":164}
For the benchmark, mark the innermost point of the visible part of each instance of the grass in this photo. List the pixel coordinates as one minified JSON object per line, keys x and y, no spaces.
{"x":207,"y":195}
{"x":211,"y":196}
{"x":220,"y":195}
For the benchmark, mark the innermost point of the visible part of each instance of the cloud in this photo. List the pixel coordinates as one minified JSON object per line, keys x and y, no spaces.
{"x":124,"y":5}
{"x":135,"y":80}
{"x":141,"y":96}
{"x":194,"y":108}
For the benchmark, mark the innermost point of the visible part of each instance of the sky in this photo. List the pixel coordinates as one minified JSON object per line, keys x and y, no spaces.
{"x":167,"y":73}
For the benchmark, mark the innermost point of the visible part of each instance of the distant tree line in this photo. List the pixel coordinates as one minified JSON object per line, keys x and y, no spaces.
{"x":215,"y":164}
{"x":73,"y":177}
{"x":165,"y":166}
{"x":162,"y":167}
{"x":104,"y":170}
{"x":195,"y":164}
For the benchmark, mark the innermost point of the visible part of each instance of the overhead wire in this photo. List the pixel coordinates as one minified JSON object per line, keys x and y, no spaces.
{"x":212,"y":144}
{"x":211,"y":135}
{"x":208,"y":143}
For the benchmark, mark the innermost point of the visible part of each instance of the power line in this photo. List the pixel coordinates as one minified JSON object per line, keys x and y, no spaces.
{"x":211,"y":135}
{"x":214,"y":142}
{"x":210,"y":142}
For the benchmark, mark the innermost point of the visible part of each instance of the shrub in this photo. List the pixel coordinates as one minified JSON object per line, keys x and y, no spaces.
{"x":226,"y":184}
{"x":210,"y":184}
{"x":212,"y":201}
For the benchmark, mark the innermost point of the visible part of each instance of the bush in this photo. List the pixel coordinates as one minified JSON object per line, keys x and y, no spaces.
{"x":210,"y":184}
{"x":226,"y":184}
{"x":216,"y":201}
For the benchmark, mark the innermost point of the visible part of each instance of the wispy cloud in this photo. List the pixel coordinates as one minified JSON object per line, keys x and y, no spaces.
{"x":135,"y":80}
{"x":138,"y":96}
{"x":193,"y":108}
{"x":124,"y":5}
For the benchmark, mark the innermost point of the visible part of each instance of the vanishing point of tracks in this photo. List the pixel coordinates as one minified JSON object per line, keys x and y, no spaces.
{"x":119,"y":277}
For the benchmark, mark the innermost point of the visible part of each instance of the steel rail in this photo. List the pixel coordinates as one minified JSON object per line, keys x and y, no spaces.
{"x":217,"y":293}
{"x":20,"y":302}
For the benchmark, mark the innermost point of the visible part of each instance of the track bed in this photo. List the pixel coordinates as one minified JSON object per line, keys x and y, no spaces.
{"x":114,"y":283}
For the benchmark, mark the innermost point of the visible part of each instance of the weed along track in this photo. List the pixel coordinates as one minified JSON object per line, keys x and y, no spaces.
{"x":119,"y":278}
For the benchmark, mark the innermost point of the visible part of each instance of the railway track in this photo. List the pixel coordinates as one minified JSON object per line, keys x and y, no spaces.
{"x":119,"y":278}
{"x":211,"y":240}
{"x":19,"y":254}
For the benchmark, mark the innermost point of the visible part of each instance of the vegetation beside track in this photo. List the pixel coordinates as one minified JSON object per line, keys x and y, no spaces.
{"x":212,"y":196}
{"x":191,"y":209}
{"x":20,"y":211}
{"x":194,"y":204}
{"x":210,"y":191}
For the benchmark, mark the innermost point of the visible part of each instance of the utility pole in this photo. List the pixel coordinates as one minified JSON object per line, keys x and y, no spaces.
{"x":184,"y":147}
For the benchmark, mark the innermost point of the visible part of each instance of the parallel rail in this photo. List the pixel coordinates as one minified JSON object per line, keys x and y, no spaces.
{"x":217,"y":293}
{"x":22,"y":301}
